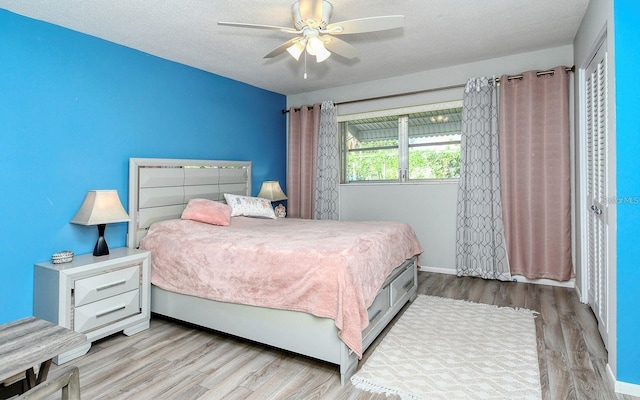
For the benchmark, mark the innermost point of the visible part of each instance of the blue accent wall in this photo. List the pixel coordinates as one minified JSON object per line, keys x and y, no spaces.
{"x":627,"y":60}
{"x":74,"y":109}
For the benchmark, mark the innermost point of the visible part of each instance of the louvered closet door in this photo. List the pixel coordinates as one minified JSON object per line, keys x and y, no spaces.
{"x":596,"y":152}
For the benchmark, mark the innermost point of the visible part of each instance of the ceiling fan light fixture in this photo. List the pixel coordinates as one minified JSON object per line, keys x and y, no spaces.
{"x":323,"y":55}
{"x":297,"y":49}
{"x":315,"y":47}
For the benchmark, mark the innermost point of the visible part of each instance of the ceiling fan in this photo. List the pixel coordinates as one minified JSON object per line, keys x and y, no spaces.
{"x":316,"y":34}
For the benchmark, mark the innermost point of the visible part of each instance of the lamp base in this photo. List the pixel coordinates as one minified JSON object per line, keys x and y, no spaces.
{"x":101,"y":248}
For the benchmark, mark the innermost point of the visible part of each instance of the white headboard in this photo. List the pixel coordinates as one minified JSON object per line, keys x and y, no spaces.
{"x":159,"y":189}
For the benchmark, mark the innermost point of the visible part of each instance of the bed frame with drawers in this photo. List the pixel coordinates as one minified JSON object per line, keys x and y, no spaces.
{"x":159,"y":189}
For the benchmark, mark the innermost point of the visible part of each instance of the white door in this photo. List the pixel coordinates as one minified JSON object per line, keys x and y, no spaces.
{"x":596,"y":186}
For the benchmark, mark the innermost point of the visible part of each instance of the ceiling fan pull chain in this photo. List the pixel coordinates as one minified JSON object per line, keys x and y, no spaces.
{"x":305,"y":65}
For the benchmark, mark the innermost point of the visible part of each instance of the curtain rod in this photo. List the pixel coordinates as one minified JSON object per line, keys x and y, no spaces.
{"x":389,"y":96}
{"x":539,"y":73}
{"x":548,"y":72}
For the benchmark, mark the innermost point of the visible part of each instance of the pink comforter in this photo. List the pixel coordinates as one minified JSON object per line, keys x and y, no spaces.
{"x":330,"y":269}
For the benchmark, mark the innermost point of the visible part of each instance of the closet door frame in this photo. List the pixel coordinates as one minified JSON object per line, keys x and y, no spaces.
{"x":608,"y":209}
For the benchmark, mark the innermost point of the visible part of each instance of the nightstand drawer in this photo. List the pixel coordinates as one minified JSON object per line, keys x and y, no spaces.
{"x":105,"y":311}
{"x":401,"y":285}
{"x":100,"y":287}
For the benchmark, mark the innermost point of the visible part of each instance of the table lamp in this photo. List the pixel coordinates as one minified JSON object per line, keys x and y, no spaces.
{"x":271,"y":190}
{"x":101,"y":207}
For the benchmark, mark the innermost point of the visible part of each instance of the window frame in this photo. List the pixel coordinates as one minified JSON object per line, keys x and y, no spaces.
{"x":403,"y":142}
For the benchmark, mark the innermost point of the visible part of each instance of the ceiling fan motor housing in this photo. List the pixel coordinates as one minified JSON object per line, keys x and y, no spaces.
{"x":301,"y":21}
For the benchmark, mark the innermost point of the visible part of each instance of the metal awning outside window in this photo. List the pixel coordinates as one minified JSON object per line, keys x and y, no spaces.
{"x":427,"y":124}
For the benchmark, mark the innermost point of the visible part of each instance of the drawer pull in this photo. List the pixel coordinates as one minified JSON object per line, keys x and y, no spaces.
{"x":409,"y":283}
{"x":375,"y":315}
{"x":110,"y":285}
{"x":112,"y":310}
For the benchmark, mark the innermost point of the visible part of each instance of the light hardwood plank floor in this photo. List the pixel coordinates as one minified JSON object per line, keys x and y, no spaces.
{"x":173,"y":360}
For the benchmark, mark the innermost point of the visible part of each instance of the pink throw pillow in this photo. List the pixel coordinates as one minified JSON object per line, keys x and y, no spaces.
{"x":207,"y":211}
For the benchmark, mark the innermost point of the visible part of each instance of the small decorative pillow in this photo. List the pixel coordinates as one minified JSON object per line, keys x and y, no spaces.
{"x":208,"y":211}
{"x":249,"y":206}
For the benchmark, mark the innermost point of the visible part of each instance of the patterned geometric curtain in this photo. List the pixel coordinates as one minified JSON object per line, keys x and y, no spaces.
{"x":480,"y":245}
{"x":328,"y":164}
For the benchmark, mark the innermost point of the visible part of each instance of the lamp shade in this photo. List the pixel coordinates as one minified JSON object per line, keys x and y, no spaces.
{"x":101,"y":207}
{"x":271,"y":190}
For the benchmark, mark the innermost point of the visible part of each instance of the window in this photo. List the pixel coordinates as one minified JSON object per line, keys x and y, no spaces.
{"x":402,"y":145}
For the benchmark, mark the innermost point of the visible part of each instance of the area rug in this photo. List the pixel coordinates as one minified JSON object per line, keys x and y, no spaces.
{"x":453,"y":349}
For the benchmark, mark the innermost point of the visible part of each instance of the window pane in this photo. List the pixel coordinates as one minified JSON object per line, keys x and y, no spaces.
{"x":434,"y":161}
{"x":424,"y":144}
{"x":372,"y":165}
{"x":371,"y":147}
{"x":434,"y":144}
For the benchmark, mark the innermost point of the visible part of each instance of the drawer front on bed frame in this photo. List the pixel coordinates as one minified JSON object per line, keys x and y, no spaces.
{"x":378,"y":309}
{"x":400,"y":287}
{"x":402,"y":284}
{"x":97,"y":296}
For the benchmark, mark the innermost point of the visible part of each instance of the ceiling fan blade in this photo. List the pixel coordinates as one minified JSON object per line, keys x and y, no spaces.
{"x":339,"y":47}
{"x":311,"y":9}
{"x":362,"y":25}
{"x":282,"y":48}
{"x":258,"y":26}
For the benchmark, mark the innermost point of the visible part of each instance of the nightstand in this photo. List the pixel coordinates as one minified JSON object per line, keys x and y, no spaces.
{"x":97,"y":296}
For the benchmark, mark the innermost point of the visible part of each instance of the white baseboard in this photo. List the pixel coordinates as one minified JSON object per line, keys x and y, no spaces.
{"x":579,"y":293}
{"x":612,"y":377}
{"x":625,"y":388}
{"x":438,"y":270}
{"x":571,"y":283}
{"x":516,"y":278}
{"x":629,"y":389}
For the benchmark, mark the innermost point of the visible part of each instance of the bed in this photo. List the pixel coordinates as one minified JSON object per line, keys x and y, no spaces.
{"x":370,"y":286}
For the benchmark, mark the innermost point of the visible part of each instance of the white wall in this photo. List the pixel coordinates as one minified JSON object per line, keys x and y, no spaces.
{"x":429,"y":208}
{"x":455,"y":75}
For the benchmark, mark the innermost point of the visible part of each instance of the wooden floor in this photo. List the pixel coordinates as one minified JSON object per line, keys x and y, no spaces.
{"x":176,"y":361}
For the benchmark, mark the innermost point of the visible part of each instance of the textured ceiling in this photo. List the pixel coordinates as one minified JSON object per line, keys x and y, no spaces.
{"x":437,"y":33}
